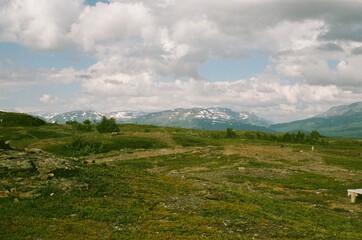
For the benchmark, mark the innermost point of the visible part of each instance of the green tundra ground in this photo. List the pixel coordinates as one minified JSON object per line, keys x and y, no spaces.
{"x":168,"y":183}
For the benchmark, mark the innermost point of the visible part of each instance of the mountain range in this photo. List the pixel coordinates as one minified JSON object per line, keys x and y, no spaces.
{"x":339,"y":121}
{"x":215,"y":118}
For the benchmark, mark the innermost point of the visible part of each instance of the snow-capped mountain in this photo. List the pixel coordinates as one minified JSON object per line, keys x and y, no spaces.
{"x":202,"y":118}
{"x":207,"y":118}
{"x":43,"y":115}
{"x":343,"y":110}
{"x":93,"y":116}
{"x":339,"y":121}
{"x":125,"y":116}
{"x":78,"y":116}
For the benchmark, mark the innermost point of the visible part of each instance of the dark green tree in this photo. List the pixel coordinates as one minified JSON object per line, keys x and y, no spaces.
{"x":314,"y":137}
{"x":230,"y":133}
{"x":87,"y":122}
{"x":107,"y":125}
{"x":300,"y":137}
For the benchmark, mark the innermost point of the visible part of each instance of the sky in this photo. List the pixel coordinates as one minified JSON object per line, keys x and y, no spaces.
{"x":282,"y":60}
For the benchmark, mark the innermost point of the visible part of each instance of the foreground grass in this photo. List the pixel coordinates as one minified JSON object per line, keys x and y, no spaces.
{"x":217,"y":189}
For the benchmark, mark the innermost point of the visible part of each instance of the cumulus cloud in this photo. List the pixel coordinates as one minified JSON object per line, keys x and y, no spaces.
{"x":40,"y":24}
{"x":138,"y":43}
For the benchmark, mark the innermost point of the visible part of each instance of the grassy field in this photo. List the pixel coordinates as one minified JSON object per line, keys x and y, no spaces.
{"x":169,"y":183}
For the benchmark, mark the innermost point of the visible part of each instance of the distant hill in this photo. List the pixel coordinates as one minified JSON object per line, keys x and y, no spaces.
{"x":78,"y":116}
{"x":197,"y":118}
{"x":339,"y":121}
{"x":9,"y":119}
{"x":213,"y":118}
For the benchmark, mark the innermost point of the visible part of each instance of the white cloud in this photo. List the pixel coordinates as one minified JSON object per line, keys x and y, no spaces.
{"x":138,"y":43}
{"x":40,"y":24}
{"x":49,"y":99}
{"x":115,"y":22}
{"x":266,"y":97}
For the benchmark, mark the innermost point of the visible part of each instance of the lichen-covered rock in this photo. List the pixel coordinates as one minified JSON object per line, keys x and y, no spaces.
{"x":15,"y":160}
{"x":25,"y":172}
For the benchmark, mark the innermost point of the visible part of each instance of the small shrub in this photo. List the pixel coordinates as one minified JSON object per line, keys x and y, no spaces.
{"x":81,"y":146}
{"x":107,"y":125}
{"x":82,"y":127}
{"x":230,"y":133}
{"x":4,"y":145}
{"x":87,"y":122}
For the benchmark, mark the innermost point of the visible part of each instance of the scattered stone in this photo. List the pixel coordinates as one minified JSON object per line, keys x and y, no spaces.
{"x":45,"y":176}
{"x":67,"y":184}
{"x":29,"y":195}
{"x":214,"y":196}
{"x":16,"y":200}
{"x":34,"y":150}
{"x":38,"y":168}
{"x":89,"y":161}
{"x":4,"y":194}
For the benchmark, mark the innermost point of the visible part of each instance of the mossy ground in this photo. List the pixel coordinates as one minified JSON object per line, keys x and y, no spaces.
{"x":190,"y":184}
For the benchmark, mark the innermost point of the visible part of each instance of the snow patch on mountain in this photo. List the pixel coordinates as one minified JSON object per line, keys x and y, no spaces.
{"x":178,"y":117}
{"x":342,"y":110}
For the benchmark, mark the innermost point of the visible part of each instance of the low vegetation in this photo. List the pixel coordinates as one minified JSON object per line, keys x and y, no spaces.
{"x":19,"y":119}
{"x":150,"y":182}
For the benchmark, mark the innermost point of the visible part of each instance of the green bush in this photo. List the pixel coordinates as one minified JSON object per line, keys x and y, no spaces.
{"x":4,"y":145}
{"x":107,"y":125}
{"x":230,"y":133}
{"x":125,"y":142}
{"x":82,"y":146}
{"x":82,"y":127}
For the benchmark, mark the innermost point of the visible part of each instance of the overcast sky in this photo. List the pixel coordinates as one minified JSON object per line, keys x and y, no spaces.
{"x":283,"y":60}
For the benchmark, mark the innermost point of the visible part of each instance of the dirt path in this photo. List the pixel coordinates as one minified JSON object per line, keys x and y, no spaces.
{"x":141,"y":154}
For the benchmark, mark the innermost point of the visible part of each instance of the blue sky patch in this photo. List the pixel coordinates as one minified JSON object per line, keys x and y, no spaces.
{"x":333,"y":63}
{"x":94,"y":2}
{"x":234,"y":69}
{"x":13,"y":55}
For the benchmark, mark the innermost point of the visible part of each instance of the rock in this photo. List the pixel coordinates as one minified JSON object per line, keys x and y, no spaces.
{"x":89,"y":161}
{"x":41,"y":165}
{"x":215,"y":196}
{"x":16,"y":200}
{"x":38,"y":168}
{"x":67,"y":184}
{"x":34,"y":150}
{"x":29,"y":195}
{"x":45,"y":176}
{"x":4,"y":194}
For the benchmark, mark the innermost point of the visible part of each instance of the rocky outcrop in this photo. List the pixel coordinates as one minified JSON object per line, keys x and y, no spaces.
{"x":24,"y":173}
